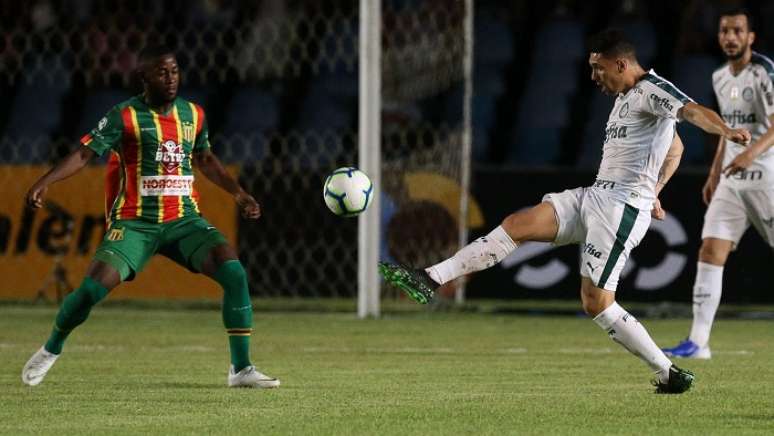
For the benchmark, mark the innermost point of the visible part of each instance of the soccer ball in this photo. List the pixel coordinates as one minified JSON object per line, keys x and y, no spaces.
{"x":347,"y":191}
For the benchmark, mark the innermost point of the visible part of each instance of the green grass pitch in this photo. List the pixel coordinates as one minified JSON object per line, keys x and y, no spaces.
{"x":131,"y":371}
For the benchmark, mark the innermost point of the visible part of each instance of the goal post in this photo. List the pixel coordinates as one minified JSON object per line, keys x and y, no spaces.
{"x":369,"y":149}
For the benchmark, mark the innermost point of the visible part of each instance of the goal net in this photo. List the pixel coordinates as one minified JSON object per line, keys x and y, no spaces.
{"x":279,"y":83}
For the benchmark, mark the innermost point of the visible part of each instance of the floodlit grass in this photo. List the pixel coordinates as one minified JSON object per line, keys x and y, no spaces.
{"x":141,"y":371}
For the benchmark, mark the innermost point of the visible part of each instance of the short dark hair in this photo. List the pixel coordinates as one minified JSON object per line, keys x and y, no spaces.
{"x":612,"y":43}
{"x":152,"y":51}
{"x":730,"y":12}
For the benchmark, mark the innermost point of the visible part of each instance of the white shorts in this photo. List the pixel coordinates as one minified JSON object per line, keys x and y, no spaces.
{"x":731,"y":212}
{"x":607,"y":229}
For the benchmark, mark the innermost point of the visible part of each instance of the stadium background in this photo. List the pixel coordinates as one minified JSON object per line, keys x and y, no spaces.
{"x":279,"y":82}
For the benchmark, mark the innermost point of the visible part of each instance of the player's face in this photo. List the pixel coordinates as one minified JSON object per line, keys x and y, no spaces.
{"x":161,"y":78}
{"x":606,"y":74}
{"x":734,"y":36}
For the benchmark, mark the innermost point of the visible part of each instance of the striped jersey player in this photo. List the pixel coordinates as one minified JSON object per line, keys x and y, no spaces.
{"x":608,"y":219}
{"x":740,"y":188}
{"x":155,"y":183}
{"x":155,"y":139}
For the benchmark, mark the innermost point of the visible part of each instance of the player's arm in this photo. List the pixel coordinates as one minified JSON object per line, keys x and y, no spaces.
{"x":716,"y":170}
{"x":68,"y":166}
{"x":709,"y":121}
{"x":743,"y":160}
{"x":209,"y":164}
{"x":668,"y":168}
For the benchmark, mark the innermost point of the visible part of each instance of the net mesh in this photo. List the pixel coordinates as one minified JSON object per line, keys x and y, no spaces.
{"x":279,"y":83}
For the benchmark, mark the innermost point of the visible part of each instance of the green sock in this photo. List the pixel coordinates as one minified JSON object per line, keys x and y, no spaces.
{"x":237,"y":311}
{"x":73,"y":312}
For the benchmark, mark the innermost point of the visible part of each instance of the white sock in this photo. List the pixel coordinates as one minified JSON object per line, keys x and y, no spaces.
{"x":706,"y":299}
{"x":482,"y":253}
{"x":624,"y":328}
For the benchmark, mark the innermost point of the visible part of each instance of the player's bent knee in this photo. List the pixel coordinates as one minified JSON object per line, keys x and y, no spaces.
{"x":714,"y":251}
{"x":537,"y":223}
{"x":595,"y":300}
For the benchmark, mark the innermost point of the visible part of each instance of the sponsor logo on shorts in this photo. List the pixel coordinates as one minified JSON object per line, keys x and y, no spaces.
{"x":592,"y":268}
{"x":115,"y":235}
{"x":166,"y":185}
{"x":591,"y":250}
{"x":769,"y":222}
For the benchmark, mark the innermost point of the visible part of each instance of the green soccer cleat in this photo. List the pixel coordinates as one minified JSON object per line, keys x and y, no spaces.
{"x":680,"y":380}
{"x":416,"y":283}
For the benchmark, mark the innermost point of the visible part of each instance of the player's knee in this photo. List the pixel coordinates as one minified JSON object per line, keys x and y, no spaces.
{"x":517,"y":225}
{"x":593,"y":307}
{"x":232,"y":275}
{"x":713,"y":253}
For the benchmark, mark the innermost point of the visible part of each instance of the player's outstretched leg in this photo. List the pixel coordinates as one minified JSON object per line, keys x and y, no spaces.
{"x":534,"y":224}
{"x":238,"y":320}
{"x":624,"y":329}
{"x":416,"y":283}
{"x":73,"y":312}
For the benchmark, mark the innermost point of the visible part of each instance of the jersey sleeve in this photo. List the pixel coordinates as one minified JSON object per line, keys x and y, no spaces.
{"x":664,"y":100}
{"x":203,"y":136}
{"x":767,"y":93}
{"x":107,"y":134}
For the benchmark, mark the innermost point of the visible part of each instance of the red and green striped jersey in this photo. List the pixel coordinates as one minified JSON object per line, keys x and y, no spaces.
{"x":156,"y":182}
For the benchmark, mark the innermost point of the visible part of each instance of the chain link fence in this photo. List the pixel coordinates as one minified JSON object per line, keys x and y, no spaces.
{"x":279,"y":82}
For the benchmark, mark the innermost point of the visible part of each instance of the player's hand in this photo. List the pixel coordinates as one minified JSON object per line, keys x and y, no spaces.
{"x":740,"y":136}
{"x":709,"y":188}
{"x":248,"y":207}
{"x":34,"y":197}
{"x":741,"y":162}
{"x":657,"y":212}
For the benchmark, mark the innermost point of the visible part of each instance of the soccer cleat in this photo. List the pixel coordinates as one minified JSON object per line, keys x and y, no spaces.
{"x":416,"y":283}
{"x":249,"y":377}
{"x":689,"y":350}
{"x":36,"y":368}
{"x":680,"y":380}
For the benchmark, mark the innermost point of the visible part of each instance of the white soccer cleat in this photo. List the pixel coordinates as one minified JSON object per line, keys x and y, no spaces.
{"x":36,"y":368}
{"x":250,"y":377}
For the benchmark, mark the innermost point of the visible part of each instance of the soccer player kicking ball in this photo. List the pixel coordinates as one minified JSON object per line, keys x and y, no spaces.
{"x":158,"y":137}
{"x":740,"y":186}
{"x":640,"y":153}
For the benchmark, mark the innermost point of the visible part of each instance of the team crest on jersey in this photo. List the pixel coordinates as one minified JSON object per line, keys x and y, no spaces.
{"x":170,"y":154}
{"x":624,"y":111}
{"x":747,"y":94}
{"x":116,"y":235}
{"x":188,"y":131}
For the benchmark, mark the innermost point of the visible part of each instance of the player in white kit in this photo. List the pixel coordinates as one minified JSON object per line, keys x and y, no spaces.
{"x":641,"y":152}
{"x":740,"y":186}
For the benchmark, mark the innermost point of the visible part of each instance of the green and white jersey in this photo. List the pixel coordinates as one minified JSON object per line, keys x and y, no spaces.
{"x":638,"y":134}
{"x":746,"y":100}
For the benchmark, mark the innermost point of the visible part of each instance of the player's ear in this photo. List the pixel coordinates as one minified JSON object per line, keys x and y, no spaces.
{"x":621,"y":64}
{"x":750,"y":38}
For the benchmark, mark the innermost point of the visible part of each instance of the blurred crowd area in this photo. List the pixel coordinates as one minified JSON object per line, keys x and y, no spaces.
{"x":267,"y":69}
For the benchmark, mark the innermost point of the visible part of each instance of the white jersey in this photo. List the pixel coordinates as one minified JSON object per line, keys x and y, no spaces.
{"x":638,"y":134}
{"x":746,"y":101}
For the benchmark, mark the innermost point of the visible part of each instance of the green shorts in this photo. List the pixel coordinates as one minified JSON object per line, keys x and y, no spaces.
{"x":129,"y":244}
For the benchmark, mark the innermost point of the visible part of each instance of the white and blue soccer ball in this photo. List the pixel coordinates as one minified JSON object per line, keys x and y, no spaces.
{"x":348,"y":191}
